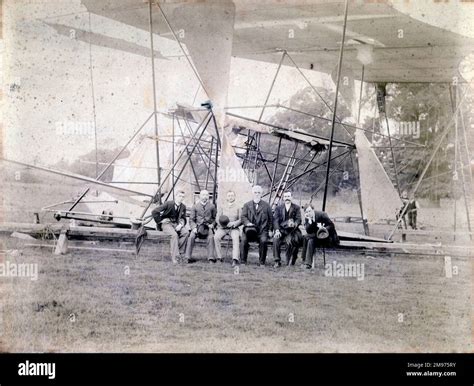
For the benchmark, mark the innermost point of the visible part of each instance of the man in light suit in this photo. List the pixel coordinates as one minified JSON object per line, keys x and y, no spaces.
{"x":258,"y":220}
{"x":286,"y":220}
{"x":232,"y":212}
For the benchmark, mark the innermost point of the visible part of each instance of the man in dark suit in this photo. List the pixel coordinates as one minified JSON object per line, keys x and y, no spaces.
{"x":171,"y":218}
{"x":286,"y":220}
{"x":256,"y":217}
{"x":202,"y":221}
{"x":320,"y":233}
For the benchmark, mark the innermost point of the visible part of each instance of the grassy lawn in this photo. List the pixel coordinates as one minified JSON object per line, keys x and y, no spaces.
{"x":113,"y":302}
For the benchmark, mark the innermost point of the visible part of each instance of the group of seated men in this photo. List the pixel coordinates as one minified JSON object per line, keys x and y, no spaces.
{"x":254,"y":222}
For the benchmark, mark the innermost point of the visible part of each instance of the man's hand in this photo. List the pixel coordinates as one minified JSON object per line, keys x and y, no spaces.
{"x":194,"y":230}
{"x":291,"y":223}
{"x":211,"y":226}
{"x":178,"y":227}
{"x":277,"y":234}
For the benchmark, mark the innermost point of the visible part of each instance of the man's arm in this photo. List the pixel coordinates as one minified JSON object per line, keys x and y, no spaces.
{"x":327,"y":221}
{"x":245,"y":214}
{"x":276,"y":218}
{"x":192,"y":218}
{"x":298,"y":216}
{"x":270,"y":217}
{"x":156,"y":213}
{"x":213,"y":215}
{"x":182,"y":216}
{"x":238,"y":222}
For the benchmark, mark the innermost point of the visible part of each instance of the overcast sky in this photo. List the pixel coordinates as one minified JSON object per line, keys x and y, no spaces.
{"x":50,"y":108}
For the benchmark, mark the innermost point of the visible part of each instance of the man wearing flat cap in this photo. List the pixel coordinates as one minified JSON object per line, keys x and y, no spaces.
{"x":202,"y":220}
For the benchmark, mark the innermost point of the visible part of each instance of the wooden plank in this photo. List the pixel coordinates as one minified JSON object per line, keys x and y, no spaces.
{"x":78,"y":231}
{"x":434,"y":232}
{"x":411,"y":248}
{"x":348,"y":219}
{"x":121,"y":250}
{"x":98,"y":232}
{"x":348,"y":236}
{"x":29,"y":227}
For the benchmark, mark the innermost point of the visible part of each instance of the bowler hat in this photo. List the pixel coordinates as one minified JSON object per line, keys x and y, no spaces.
{"x":203,"y":231}
{"x":251,"y":232}
{"x":322,"y":233}
{"x":224,"y":220}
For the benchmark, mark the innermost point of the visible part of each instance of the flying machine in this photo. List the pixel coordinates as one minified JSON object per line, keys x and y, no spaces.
{"x":359,"y":42}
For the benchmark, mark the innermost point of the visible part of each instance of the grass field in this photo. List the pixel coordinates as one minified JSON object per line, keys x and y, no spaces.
{"x":114,"y":302}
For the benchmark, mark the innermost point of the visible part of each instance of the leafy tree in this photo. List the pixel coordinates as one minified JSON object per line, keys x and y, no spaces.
{"x":430,"y":107}
{"x":305,"y":108}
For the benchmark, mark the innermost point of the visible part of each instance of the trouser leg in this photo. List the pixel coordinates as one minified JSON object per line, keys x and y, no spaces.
{"x":412,"y":220}
{"x":277,"y":249}
{"x":305,"y":247}
{"x":244,"y":248}
{"x":294,"y":254}
{"x":289,"y":249}
{"x":220,"y":233}
{"x":174,"y":243}
{"x":310,"y":246}
{"x":190,"y":245}
{"x":288,"y":254}
{"x":262,"y":247}
{"x":210,"y":246}
{"x":182,"y":240}
{"x":235,"y":235}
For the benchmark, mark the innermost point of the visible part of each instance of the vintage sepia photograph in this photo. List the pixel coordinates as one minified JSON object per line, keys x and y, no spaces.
{"x":236,"y":176}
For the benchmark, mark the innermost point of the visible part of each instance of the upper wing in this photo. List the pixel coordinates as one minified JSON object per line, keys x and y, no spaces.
{"x":393,"y":46}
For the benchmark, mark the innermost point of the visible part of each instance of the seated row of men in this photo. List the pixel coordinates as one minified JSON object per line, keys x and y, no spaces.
{"x":254,"y":222}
